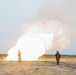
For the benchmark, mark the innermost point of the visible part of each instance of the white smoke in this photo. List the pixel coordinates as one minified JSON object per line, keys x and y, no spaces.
{"x":51,"y":32}
{"x":38,"y":37}
{"x":61,"y":10}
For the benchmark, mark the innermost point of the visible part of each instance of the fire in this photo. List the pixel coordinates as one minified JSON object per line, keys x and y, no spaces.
{"x":30,"y":48}
{"x":38,"y":38}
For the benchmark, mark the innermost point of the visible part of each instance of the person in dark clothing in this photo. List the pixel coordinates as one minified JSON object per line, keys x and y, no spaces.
{"x":19,"y":56}
{"x":58,"y":56}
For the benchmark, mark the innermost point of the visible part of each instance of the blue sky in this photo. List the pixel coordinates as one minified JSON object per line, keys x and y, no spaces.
{"x":14,"y":13}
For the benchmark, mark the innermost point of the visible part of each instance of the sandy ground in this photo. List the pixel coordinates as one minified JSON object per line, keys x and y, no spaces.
{"x":37,"y":68}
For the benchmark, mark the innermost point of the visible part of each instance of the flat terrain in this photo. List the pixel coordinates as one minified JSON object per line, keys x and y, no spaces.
{"x":46,"y":65}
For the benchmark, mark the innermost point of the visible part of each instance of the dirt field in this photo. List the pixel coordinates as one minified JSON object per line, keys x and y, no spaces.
{"x":44,"y":66}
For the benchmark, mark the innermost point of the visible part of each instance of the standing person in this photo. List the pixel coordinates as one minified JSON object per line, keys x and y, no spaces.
{"x":19,"y":56}
{"x":58,"y":56}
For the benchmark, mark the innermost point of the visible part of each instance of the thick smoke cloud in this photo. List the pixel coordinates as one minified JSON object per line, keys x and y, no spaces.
{"x":62,"y":10}
{"x":40,"y":37}
{"x":52,"y":32}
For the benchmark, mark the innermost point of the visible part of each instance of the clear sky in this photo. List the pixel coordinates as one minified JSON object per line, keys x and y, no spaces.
{"x":14,"y":13}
